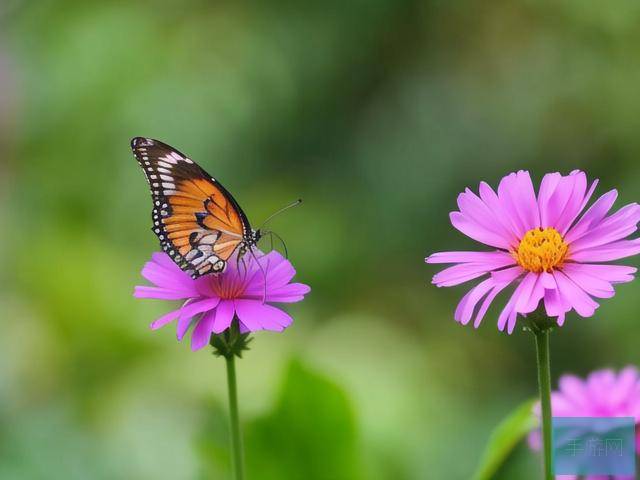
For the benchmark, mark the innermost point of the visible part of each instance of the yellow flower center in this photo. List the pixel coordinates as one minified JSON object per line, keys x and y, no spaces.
{"x":541,"y":250}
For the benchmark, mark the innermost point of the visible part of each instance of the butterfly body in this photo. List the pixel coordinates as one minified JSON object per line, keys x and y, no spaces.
{"x":198,"y":222}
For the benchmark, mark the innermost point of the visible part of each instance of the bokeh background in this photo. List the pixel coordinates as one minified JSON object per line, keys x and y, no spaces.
{"x":377,"y":113}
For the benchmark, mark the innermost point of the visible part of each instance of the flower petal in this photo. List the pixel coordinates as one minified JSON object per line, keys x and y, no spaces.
{"x":574,"y":202}
{"x":291,"y":293}
{"x":472,"y":207}
{"x":531,"y":293}
{"x":471,"y":257}
{"x":256,"y":316}
{"x":617,"y":227}
{"x":610,"y":273}
{"x":547,"y":188}
{"x":163,"y":320}
{"x":467,"y":271}
{"x":487,"y":302}
{"x":572,"y":294}
{"x":609,"y":252}
{"x":224,"y":315}
{"x":491,"y":199}
{"x":467,"y":305}
{"x":575,"y":391}
{"x":515,"y":204}
{"x":188,"y":311}
{"x":474,"y":230}
{"x":559,"y":199}
{"x":170,"y":278}
{"x":592,"y":217}
{"x":592,"y":285}
{"x":202,"y":333}
{"x":159,"y":293}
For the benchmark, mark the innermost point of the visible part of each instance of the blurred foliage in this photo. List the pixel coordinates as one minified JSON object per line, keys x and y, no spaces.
{"x":377,"y":114}
{"x":504,"y":439}
{"x":291,"y":440}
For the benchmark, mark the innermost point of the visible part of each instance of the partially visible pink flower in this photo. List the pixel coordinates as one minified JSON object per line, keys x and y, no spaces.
{"x":543,"y":246}
{"x":211,"y":302}
{"x":604,"y":393}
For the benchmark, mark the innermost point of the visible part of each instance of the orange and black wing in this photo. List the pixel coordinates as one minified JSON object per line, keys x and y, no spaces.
{"x":198,"y":222}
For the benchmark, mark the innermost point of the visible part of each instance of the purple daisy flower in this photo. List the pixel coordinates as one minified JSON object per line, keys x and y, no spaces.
{"x":604,"y":393}
{"x":213,"y":301}
{"x":544,"y":246}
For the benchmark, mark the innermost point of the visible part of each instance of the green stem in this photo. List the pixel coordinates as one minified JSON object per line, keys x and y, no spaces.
{"x":544,"y":383}
{"x":236,"y":440}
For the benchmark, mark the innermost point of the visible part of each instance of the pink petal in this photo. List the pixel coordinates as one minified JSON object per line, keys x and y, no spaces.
{"x":592,"y":285}
{"x":467,"y":305}
{"x":547,"y":188}
{"x":163,"y":320}
{"x":610,"y":273}
{"x":507,"y":275}
{"x":555,"y":305}
{"x":490,"y":198}
{"x":606,"y":253}
{"x":290,"y":293}
{"x":470,"y":257}
{"x":472,"y":207}
{"x":582,"y":303}
{"x":528,"y":205}
{"x":224,"y":315}
{"x":617,"y":227}
{"x":168,"y":278}
{"x":625,"y":384}
{"x":531,"y":293}
{"x":559,"y":199}
{"x":279,"y":271}
{"x":592,"y":217}
{"x":507,"y":310}
{"x":575,"y":391}
{"x":487,"y":302}
{"x":188,"y":311}
{"x":474,"y":230}
{"x":202,"y":333}
{"x":256,"y":316}
{"x":160,"y":293}
{"x":165,"y":261}
{"x":467,"y":271}
{"x":293,"y":292}
{"x":574,"y":202}
{"x":518,"y":203}
{"x":586,"y":199}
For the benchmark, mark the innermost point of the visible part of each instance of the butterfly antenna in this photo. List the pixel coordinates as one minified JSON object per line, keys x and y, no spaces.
{"x":291,"y":205}
{"x":264,"y":275}
{"x":284,"y":245}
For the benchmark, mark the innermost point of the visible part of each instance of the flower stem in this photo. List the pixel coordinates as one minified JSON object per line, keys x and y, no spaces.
{"x":544,"y":384}
{"x":236,"y":440}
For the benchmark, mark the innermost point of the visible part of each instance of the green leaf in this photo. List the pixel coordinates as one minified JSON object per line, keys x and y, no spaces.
{"x":310,"y":434}
{"x":504,"y":439}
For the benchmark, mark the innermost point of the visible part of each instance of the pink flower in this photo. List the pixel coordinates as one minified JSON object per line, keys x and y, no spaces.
{"x":212,"y":302}
{"x":543,"y":246}
{"x":604,"y":393}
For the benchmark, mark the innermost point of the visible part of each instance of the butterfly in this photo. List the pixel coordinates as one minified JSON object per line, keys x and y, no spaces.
{"x":199,"y":223}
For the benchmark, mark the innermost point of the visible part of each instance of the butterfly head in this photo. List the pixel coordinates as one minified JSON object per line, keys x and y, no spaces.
{"x":250,"y":240}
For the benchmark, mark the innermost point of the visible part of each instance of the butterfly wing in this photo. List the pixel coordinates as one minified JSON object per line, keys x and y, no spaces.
{"x":198,"y":222}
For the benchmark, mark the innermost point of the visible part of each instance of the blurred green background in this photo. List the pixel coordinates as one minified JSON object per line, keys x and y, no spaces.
{"x":377,"y":113}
